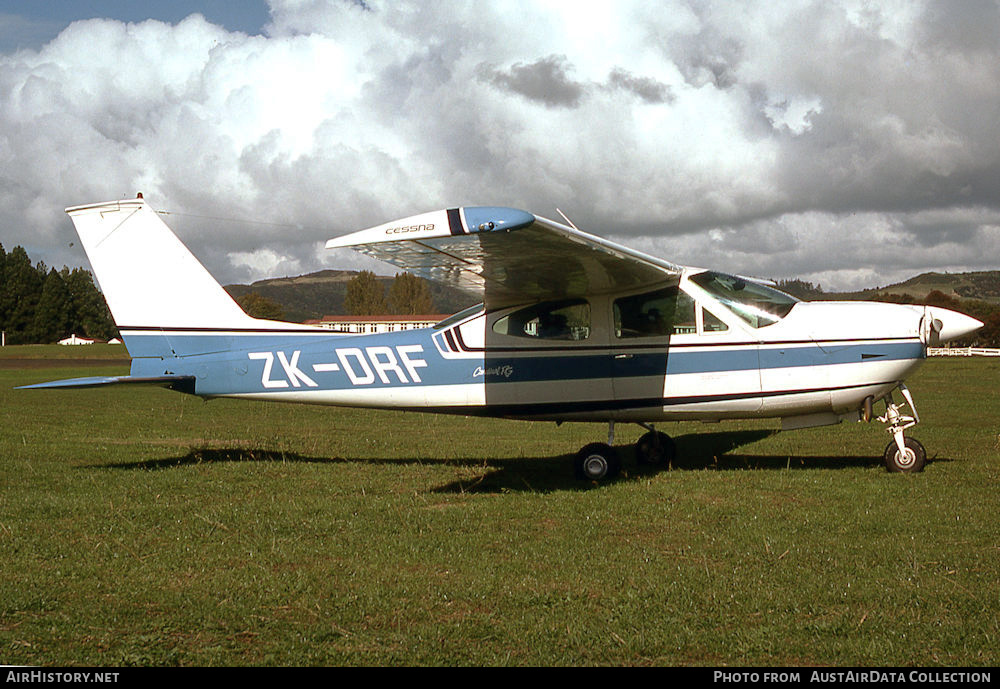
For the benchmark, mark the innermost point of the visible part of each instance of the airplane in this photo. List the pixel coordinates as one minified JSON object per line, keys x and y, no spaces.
{"x":570,"y":327}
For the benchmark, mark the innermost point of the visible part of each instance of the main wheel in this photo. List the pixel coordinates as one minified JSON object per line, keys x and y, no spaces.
{"x":910,"y":461}
{"x":597,"y":462}
{"x":655,"y":448}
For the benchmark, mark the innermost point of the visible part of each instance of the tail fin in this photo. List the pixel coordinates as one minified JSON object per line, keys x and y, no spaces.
{"x":148,"y":276}
{"x":164,"y":302}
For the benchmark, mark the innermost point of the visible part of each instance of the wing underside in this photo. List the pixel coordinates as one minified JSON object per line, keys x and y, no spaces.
{"x":508,"y":262}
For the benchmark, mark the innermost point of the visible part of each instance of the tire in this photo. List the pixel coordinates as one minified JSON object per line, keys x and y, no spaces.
{"x":909,"y":463}
{"x":597,"y":462}
{"x":655,"y":449}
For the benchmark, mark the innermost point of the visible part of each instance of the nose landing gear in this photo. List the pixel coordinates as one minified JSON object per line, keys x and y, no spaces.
{"x":903,"y":454}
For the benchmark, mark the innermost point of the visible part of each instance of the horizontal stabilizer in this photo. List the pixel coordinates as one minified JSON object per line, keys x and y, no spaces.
{"x":179,"y":383}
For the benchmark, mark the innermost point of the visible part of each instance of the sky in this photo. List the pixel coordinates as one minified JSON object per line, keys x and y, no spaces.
{"x":851,"y":143}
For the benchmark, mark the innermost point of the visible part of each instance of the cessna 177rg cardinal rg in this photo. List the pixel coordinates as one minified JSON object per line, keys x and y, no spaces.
{"x":571,"y":327}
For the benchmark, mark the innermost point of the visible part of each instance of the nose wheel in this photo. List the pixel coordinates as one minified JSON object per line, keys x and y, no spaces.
{"x":903,"y":454}
{"x":910,"y":459}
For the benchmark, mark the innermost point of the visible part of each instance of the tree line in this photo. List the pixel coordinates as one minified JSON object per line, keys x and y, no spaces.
{"x":364,"y":295}
{"x":40,"y":305}
{"x":408,"y":295}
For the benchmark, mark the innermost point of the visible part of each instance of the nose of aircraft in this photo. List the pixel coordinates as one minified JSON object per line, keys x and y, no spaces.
{"x":943,"y":325}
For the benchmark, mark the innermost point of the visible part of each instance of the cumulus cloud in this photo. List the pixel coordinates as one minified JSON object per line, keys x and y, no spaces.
{"x":546,"y":81}
{"x":841,"y":141}
{"x":648,"y":89}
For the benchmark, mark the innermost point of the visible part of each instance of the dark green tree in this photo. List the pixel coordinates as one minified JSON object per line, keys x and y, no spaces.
{"x":51,"y":320}
{"x":3,"y":282}
{"x":22,"y":287}
{"x":89,"y":314}
{"x":365,"y":296}
{"x":259,"y":306}
{"x":409,"y":295}
{"x":38,"y":304}
{"x":989,"y":334}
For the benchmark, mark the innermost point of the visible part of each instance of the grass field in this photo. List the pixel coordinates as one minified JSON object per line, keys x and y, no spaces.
{"x":144,"y":527}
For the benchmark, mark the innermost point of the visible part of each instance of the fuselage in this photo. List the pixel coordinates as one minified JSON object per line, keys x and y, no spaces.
{"x":707,"y":346}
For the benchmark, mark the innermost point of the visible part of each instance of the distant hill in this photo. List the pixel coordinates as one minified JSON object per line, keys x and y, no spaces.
{"x":319,"y":294}
{"x":980,"y":286}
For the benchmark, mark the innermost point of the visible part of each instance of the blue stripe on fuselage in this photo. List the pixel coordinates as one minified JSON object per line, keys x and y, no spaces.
{"x":788,"y":356}
{"x":283,"y":361}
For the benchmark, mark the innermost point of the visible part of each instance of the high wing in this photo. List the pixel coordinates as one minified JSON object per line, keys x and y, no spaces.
{"x":507,"y":256}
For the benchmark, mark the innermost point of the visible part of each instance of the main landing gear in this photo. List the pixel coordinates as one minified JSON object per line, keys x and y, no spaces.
{"x":903,"y":454}
{"x":600,"y":461}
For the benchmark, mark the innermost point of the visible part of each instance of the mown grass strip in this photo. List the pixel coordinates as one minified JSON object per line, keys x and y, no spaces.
{"x":151,"y":528}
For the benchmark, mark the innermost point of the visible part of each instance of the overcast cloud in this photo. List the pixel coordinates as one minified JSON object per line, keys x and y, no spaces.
{"x":847,"y":143}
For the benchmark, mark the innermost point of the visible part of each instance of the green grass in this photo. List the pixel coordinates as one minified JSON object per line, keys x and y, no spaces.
{"x":140,"y":526}
{"x":62,"y":352}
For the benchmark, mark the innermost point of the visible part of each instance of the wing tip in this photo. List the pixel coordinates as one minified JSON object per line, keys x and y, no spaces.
{"x":496,"y":218}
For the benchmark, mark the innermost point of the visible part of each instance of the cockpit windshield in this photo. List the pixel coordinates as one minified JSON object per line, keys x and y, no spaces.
{"x":757,"y":304}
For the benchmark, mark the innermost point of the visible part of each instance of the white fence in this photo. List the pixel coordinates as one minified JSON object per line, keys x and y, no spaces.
{"x":962,"y":351}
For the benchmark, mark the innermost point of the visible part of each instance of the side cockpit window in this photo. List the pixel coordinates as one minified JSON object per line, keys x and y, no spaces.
{"x":711,"y":323}
{"x":663,"y":312}
{"x":756,"y":303}
{"x":558,"y":320}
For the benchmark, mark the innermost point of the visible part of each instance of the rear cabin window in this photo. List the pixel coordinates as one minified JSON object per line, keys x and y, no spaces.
{"x":559,"y":320}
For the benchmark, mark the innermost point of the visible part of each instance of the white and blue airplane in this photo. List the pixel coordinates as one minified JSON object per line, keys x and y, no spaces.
{"x":571,"y":327}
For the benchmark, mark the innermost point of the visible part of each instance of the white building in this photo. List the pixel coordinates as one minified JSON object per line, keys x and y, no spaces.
{"x":377,"y":324}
